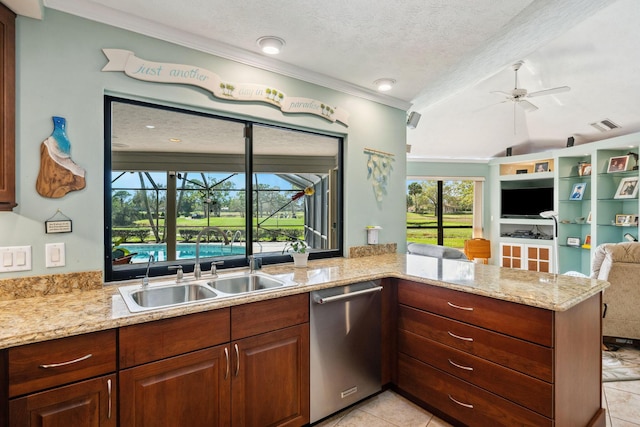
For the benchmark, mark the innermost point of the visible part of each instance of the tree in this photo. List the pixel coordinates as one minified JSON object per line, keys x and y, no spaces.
{"x":122,"y":211}
{"x":414,"y":190}
{"x":459,"y":194}
{"x":147,"y":206}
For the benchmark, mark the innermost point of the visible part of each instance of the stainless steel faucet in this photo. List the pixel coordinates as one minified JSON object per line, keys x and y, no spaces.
{"x":214,"y":268}
{"x":254,"y":264}
{"x":179,"y":272}
{"x":145,"y":279}
{"x":197,"y":273}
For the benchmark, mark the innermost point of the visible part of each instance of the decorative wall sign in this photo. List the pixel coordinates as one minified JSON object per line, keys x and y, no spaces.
{"x":160,"y":72}
{"x":379,"y":169}
{"x":58,"y":174}
{"x":58,"y":223}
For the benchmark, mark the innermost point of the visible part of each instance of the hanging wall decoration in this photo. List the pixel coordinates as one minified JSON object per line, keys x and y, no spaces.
{"x":379,"y":170}
{"x":58,"y":173}
{"x":162,"y":72}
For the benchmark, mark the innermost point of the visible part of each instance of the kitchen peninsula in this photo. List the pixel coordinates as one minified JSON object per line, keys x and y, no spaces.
{"x":473,"y":343}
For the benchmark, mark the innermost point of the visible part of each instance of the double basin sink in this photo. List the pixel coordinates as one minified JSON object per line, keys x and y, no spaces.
{"x":165,"y":295}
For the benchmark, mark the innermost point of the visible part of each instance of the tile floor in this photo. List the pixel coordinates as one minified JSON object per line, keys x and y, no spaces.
{"x":621,"y":400}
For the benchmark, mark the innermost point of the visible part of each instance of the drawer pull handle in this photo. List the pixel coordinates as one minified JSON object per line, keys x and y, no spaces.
{"x":237,"y":359}
{"x":466,"y":405}
{"x":459,"y":337}
{"x":109,"y":391}
{"x":466,"y":368}
{"x":70,"y":362}
{"x":226,"y":356}
{"x":459,"y":307}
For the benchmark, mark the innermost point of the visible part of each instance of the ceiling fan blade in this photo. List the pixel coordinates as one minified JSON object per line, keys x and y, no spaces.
{"x":526,"y":105}
{"x":549,"y":91}
{"x":501,"y":93}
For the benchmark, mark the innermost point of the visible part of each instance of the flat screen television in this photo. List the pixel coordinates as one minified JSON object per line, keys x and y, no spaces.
{"x":526,"y":202}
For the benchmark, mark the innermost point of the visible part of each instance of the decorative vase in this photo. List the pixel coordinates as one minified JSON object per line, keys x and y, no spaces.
{"x":300,"y":260}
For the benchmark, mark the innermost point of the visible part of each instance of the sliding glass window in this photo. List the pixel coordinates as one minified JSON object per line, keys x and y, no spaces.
{"x":182,"y":184}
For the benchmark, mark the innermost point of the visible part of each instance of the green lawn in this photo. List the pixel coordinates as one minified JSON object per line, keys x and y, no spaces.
{"x":453,"y":237}
{"x":230,"y":221}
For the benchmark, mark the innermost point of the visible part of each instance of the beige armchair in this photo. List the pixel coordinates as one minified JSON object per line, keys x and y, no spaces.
{"x":619,"y":264}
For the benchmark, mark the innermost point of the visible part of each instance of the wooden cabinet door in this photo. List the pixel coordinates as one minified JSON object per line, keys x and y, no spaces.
{"x":90,"y":403}
{"x":188,"y":390}
{"x":511,"y":255}
{"x":539,"y":258}
{"x":7,"y":100}
{"x":270,"y":385}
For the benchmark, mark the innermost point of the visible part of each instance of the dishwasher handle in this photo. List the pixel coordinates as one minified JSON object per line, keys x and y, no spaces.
{"x":333,"y":298}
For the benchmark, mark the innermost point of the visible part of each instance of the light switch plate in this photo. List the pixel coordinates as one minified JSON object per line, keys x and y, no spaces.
{"x":54,"y":255}
{"x":15,"y":258}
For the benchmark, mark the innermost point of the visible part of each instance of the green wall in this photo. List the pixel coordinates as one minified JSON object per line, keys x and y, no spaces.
{"x":59,"y":62}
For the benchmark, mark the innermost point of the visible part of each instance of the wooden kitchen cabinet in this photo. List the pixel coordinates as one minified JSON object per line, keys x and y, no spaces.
{"x":8,"y":117}
{"x":243,"y":366}
{"x":90,"y":403}
{"x":64,"y":382}
{"x":453,"y":345}
{"x":270,"y":385}
{"x":176,"y":371}
{"x":192,"y":390}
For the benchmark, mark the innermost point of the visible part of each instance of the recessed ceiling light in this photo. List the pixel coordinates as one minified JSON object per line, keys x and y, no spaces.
{"x":175,"y":140}
{"x":385,"y":84}
{"x":271,"y":45}
{"x":150,"y":126}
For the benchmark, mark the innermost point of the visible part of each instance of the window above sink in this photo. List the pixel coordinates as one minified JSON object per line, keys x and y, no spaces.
{"x":173,"y":172}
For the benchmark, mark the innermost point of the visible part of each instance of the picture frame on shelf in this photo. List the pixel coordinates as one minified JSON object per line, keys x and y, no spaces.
{"x":541,"y":167}
{"x":589,"y":218}
{"x":618,"y":164}
{"x":577,"y":192}
{"x":626,"y":220}
{"x":521,"y":171}
{"x":573,"y":241}
{"x":587,"y":241}
{"x":627,"y":189}
{"x":584,"y":169}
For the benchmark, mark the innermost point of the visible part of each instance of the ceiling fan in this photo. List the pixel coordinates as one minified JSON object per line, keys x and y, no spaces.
{"x":518,"y":95}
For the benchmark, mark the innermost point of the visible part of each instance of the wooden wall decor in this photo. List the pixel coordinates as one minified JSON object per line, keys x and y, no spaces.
{"x":58,"y":174}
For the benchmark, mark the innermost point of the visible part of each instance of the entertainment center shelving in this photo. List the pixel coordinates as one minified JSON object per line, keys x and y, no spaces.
{"x":525,"y":243}
{"x":592,"y":217}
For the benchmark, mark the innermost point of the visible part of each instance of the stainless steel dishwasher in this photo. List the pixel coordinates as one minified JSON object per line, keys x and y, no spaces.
{"x":345,"y":346}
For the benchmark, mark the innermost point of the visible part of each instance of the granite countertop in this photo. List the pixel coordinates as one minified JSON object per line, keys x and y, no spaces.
{"x":40,"y":318}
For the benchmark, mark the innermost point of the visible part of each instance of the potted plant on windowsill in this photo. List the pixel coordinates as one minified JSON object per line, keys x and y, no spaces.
{"x":298,"y":251}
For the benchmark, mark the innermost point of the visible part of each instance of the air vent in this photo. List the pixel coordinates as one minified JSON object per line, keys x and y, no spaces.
{"x":604,"y":125}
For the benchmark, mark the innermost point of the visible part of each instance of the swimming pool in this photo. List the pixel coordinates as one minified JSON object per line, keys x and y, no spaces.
{"x":183,"y":250}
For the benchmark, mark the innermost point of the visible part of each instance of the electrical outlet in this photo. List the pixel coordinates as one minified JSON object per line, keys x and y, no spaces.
{"x":15,"y":258}
{"x":54,"y":255}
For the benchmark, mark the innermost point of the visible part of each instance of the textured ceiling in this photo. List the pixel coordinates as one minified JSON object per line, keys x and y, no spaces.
{"x":446,"y":55}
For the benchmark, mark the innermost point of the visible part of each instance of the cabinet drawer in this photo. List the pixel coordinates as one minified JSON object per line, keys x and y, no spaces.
{"x":51,"y":363}
{"x":518,"y":320}
{"x":522,"y":389}
{"x":465,"y":402}
{"x":157,"y":340}
{"x":528,"y":358}
{"x":266,"y":316}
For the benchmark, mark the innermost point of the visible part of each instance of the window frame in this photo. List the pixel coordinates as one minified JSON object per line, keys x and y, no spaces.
{"x":160,"y":269}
